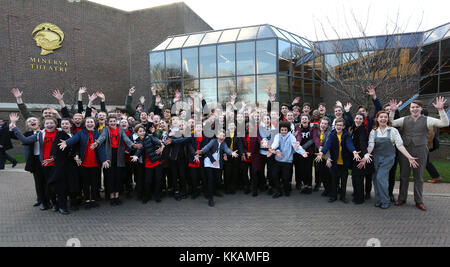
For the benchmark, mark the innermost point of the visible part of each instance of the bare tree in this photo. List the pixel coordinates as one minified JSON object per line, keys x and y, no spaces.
{"x":392,"y":63}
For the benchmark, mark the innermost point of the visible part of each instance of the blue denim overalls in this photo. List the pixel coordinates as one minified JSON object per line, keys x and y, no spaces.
{"x":384,"y":157}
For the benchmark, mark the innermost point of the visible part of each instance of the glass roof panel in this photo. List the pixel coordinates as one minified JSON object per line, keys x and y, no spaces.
{"x":194,"y":40}
{"x":301,"y":41}
{"x":248,"y":33}
{"x":211,"y":38}
{"x":163,"y":45}
{"x":229,"y":35}
{"x":289,"y":36}
{"x":436,"y":34}
{"x":265,"y":32}
{"x":279,"y":34}
{"x":178,"y":42}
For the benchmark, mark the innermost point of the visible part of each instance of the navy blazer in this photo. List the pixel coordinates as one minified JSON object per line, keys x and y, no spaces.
{"x":192,"y":148}
{"x":212,"y":147}
{"x":332,"y":145}
{"x":82,"y":138}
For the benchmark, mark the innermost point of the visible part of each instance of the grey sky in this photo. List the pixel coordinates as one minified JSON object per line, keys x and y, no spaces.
{"x":302,"y":17}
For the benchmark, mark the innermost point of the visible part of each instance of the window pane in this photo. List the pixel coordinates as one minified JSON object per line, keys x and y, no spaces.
{"x":429,"y":85}
{"x":208,"y":62}
{"x":190,"y":63}
{"x":308,"y":66}
{"x":288,"y":35}
{"x":332,"y":62}
{"x":308,"y":87}
{"x":177,"y":42}
{"x":194,"y":40}
{"x":266,"y":56}
{"x":445,"y":83}
{"x":284,"y":90}
{"x":245,"y":58}
{"x":211,"y":38}
{"x":172,"y":86}
{"x":284,"y":57}
{"x":226,"y":60}
{"x":297,"y":87}
{"x":226,"y":87}
{"x":248,"y":33}
{"x":209,"y":89}
{"x":229,"y":35}
{"x":278,"y":33}
{"x":157,"y":66}
{"x":318,"y":68}
{"x":173,"y":64}
{"x":161,"y":89}
{"x":445,"y":56}
{"x":246,"y":89}
{"x":430,"y":59}
{"x":265,"y":32}
{"x":297,"y":53}
{"x":266,"y":82}
{"x":190,"y":86}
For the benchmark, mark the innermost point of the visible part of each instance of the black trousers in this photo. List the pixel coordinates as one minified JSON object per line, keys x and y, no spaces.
{"x":368,"y":183}
{"x":197,"y":175}
{"x":89,"y":177}
{"x":282,"y":171}
{"x":177,"y":168}
{"x":323,"y":173}
{"x":264,"y":180}
{"x":317,"y":179}
{"x":139,"y":179}
{"x":40,"y":182}
{"x":358,"y":187}
{"x":212,"y":178}
{"x":248,"y":175}
{"x":392,"y":174}
{"x":339,"y":173}
{"x":153,"y":176}
{"x":49,"y":193}
{"x":305,"y":168}
{"x":232,"y":174}
{"x":298,"y":169}
{"x":431,"y":169}
{"x":5,"y":157}
{"x":127,"y":178}
{"x":114,"y":175}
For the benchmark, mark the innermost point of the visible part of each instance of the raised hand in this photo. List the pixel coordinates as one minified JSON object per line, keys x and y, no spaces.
{"x":17,"y":93}
{"x":14,"y":118}
{"x":101,"y":96}
{"x":57,"y":94}
{"x":348,"y":107}
{"x":142,"y":100}
{"x":440,"y":103}
{"x":394,"y":105}
{"x":157,"y":99}
{"x":200,"y":95}
{"x":339,"y":104}
{"x":371,"y":91}
{"x":153,"y":89}
{"x":92,"y":97}
{"x":233,"y":97}
{"x":132,"y":90}
{"x":296,"y":100}
{"x":82,"y":90}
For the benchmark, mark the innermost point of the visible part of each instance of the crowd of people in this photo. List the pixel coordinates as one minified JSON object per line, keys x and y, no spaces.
{"x":192,"y":148}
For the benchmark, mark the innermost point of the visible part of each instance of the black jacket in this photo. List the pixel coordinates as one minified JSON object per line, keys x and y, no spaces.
{"x":5,"y":139}
{"x":149,"y":147}
{"x":192,"y":148}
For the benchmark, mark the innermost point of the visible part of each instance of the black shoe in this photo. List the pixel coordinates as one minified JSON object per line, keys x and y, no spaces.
{"x":288,"y":194}
{"x":94,"y":204}
{"x":112,"y":202}
{"x":177,"y":197}
{"x":211,"y":203}
{"x":392,"y":199}
{"x":367,"y":197}
{"x":270,"y":191}
{"x":87,"y":205}
{"x":343,"y":200}
{"x":118,"y":202}
{"x":217,"y":194}
{"x":277,"y":195}
{"x":298,"y":186}
{"x":247,"y":191}
{"x":36,"y":204}
{"x":331,"y":200}
{"x":184,"y":196}
{"x":303,"y":191}
{"x":358,"y":202}
{"x":74,"y":207}
{"x":316,"y":188}
{"x":64,"y":211}
{"x":43,"y":207}
{"x":55,"y":208}
{"x":128,"y":195}
{"x":255,"y":194}
{"x":309,"y":191}
{"x":158,"y":200}
{"x":324,"y":194}
{"x":145,"y":201}
{"x":14,"y":164}
{"x":194,"y":195}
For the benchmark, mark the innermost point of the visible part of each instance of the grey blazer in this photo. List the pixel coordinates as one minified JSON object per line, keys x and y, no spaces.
{"x":105,"y":136}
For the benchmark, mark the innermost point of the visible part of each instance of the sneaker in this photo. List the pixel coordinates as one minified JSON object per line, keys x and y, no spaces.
{"x":331,"y":200}
{"x":277,"y":195}
{"x":385,"y":206}
{"x":87,"y":205}
{"x":211,"y":203}
{"x":14,"y":164}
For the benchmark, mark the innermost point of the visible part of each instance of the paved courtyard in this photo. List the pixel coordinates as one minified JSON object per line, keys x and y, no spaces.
{"x":239,"y":220}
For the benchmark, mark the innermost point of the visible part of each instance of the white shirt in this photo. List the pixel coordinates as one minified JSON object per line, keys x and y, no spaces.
{"x":431,"y":122}
{"x":396,"y":139}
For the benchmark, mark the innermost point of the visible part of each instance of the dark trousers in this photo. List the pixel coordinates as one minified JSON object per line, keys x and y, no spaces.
{"x":339,"y":174}
{"x":212,"y":178}
{"x":392,"y":174}
{"x":358,"y":187}
{"x":197,"y":175}
{"x":232,"y":174}
{"x":39,"y":181}
{"x":368,"y":184}
{"x":323,"y":172}
{"x":49,"y":194}
{"x":153,"y":176}
{"x":113,"y":179}
{"x":298,"y":169}
{"x":264,"y":180}
{"x":177,"y":168}
{"x":305,"y":168}
{"x":247,"y":175}
{"x":5,"y":157}
{"x":431,"y":169}
{"x":139,"y":179}
{"x":127,"y":180}
{"x":89,"y":177}
{"x":317,"y":179}
{"x":282,"y":171}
